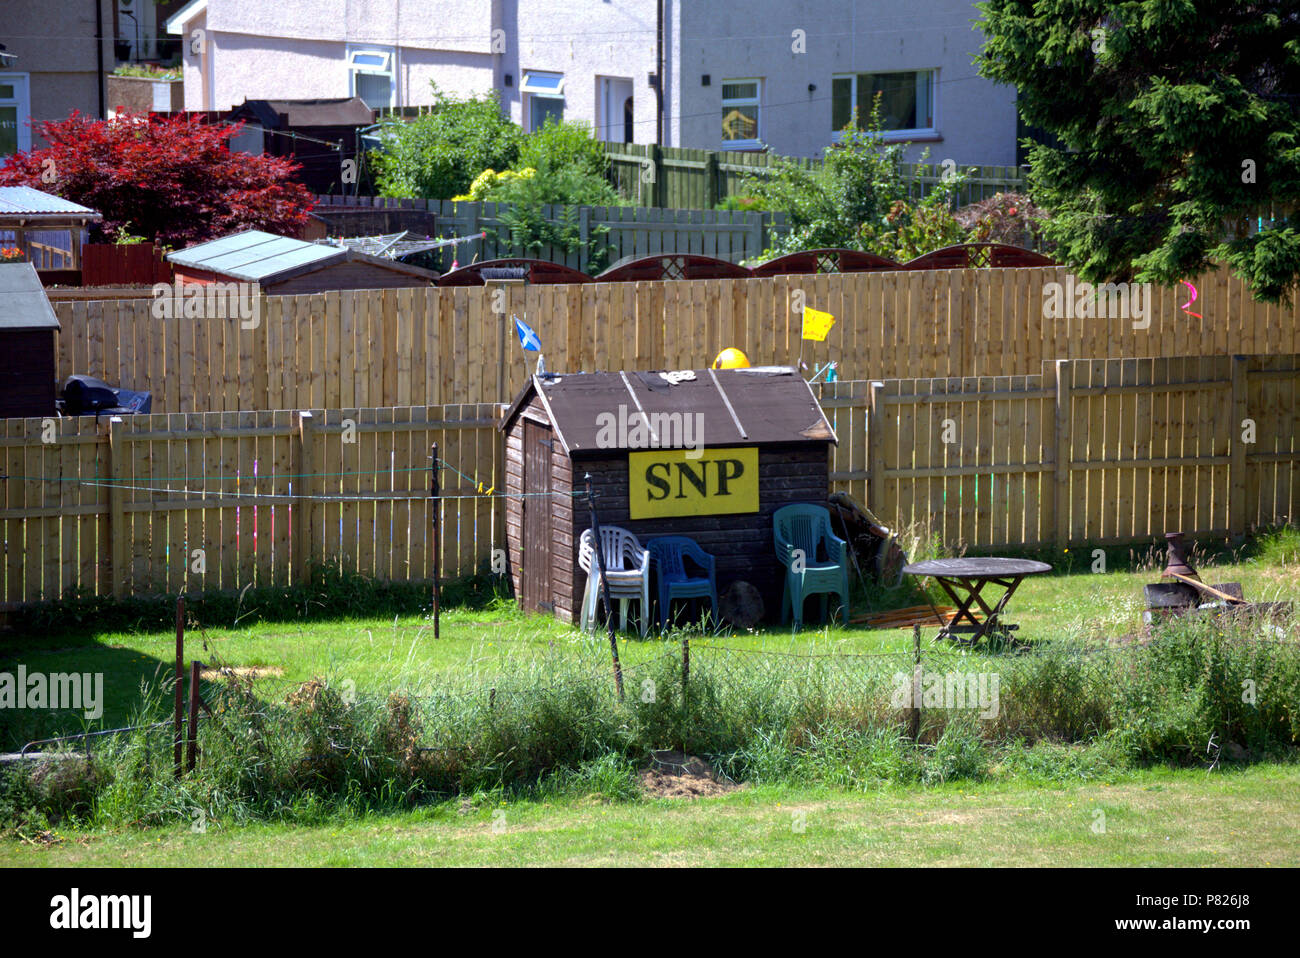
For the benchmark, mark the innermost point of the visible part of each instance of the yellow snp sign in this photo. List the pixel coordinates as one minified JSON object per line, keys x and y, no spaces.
{"x":667,"y":482}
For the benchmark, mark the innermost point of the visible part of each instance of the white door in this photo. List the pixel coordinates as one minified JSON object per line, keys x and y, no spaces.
{"x":15,"y":114}
{"x":614,"y":106}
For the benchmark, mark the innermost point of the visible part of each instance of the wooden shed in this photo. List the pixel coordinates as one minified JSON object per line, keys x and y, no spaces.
{"x":318,"y":134}
{"x":283,"y":266}
{"x":701,"y":453}
{"x":27,"y":326}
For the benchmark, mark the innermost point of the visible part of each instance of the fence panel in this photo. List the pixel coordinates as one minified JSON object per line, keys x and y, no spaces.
{"x":154,"y":504}
{"x":1101,"y":451}
{"x":391,"y":348}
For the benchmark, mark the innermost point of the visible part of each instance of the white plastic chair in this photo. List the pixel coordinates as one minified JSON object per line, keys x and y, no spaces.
{"x":627,"y":570}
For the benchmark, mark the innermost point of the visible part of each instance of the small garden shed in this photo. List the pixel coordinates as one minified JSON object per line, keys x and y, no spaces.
{"x":27,"y":326}
{"x":709,"y":454}
{"x":282,"y":266}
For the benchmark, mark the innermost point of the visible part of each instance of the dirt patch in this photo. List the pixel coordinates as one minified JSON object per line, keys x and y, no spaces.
{"x":672,"y":774}
{"x":243,"y":671}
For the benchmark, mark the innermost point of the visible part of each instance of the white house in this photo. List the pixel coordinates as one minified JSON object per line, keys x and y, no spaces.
{"x":734,"y":75}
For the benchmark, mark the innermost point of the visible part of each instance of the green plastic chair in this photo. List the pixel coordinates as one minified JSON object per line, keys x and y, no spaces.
{"x":824,"y":566}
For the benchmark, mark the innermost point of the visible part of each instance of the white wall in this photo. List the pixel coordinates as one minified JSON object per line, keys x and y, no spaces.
{"x":298,"y":50}
{"x":976,"y":120}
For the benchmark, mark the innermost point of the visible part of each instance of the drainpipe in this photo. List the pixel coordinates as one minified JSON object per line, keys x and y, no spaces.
{"x":99,"y":53}
{"x":659,"y":72}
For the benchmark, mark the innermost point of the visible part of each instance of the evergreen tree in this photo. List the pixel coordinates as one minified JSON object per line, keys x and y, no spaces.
{"x":1180,"y":129}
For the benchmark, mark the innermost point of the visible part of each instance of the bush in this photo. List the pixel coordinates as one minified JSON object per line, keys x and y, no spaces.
{"x":561,"y":144}
{"x":858,"y":199}
{"x":171,"y":180}
{"x":438,"y":155}
{"x":1003,"y":218}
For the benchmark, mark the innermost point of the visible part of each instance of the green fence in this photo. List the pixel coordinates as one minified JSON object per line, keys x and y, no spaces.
{"x":633,"y":231}
{"x":650,"y":175}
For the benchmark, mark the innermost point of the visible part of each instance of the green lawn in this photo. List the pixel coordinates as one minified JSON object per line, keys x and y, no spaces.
{"x":377,"y":655}
{"x":1152,"y":818}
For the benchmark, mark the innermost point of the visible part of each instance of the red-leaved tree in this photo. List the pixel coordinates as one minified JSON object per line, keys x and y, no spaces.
{"x":173,"y":180}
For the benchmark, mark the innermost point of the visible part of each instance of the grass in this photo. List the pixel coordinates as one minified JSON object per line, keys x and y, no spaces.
{"x":513,"y":714}
{"x":378,"y":653}
{"x":1156,"y":817}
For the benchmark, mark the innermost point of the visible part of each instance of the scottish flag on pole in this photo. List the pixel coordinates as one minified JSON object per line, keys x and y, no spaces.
{"x":527,"y":335}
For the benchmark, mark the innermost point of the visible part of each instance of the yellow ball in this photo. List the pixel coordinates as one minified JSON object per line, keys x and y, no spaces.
{"x":731,"y":358}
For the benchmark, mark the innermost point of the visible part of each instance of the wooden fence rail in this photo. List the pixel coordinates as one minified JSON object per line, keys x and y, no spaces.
{"x":1083,"y":453}
{"x":163,"y":503}
{"x":435,"y":346}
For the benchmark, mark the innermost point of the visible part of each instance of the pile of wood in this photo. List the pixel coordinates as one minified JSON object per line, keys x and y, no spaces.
{"x":922,"y":615}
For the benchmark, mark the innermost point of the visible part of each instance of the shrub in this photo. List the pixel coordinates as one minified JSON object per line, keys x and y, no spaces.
{"x":171,"y":180}
{"x":858,"y":199}
{"x":561,"y":144}
{"x":438,"y":155}
{"x":1003,"y":218}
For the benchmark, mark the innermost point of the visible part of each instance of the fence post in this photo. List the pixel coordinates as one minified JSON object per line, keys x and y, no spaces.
{"x":584,"y":237}
{"x":914,"y":715}
{"x":604,"y":587}
{"x":303,"y":539}
{"x":876,"y":447}
{"x":710,"y":179}
{"x":1061,"y":499}
{"x":437,"y":539}
{"x":118,"y":534}
{"x":1237,"y":506}
{"x":192,"y":749}
{"x":177,"y":732}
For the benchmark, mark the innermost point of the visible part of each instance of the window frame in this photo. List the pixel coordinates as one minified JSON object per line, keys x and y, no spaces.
{"x":22,"y":99}
{"x":532,"y":91}
{"x":891,"y":136}
{"x":756,"y":101}
{"x":389,"y":70}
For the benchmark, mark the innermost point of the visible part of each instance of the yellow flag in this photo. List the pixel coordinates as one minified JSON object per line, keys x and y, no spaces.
{"x":816,"y":324}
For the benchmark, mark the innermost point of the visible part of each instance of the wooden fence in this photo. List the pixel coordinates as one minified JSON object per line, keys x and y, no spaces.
{"x":436,"y":346}
{"x":652,"y":175}
{"x":633,"y":231}
{"x":1089,"y":452}
{"x":162,"y":503}
{"x":133,"y":264}
{"x":1085,"y":453}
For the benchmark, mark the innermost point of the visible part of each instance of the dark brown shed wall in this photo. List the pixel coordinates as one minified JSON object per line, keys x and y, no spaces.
{"x":741,"y":544}
{"x":27,"y":376}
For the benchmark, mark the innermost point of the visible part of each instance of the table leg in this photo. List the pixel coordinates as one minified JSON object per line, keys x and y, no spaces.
{"x":962,"y":605}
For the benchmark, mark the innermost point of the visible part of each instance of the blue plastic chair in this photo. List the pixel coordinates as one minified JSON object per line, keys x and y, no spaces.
{"x":807,"y":528}
{"x":670,"y":553}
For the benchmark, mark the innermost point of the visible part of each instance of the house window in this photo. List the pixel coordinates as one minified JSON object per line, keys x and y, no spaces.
{"x":906,"y":101}
{"x":545,"y":92}
{"x":15,"y":114}
{"x":740,"y":114}
{"x":371,"y":77}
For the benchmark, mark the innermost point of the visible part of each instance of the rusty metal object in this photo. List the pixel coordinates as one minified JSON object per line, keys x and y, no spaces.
{"x":1176,"y":559}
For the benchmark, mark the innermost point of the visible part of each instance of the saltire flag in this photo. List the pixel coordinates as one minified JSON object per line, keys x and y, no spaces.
{"x":528,"y":337}
{"x":816,"y":324}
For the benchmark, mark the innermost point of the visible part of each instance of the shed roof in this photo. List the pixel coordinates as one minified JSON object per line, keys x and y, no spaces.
{"x":757,"y":406}
{"x":258,"y":257}
{"x":22,"y":299}
{"x":25,"y":201}
{"x":340,"y":111}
